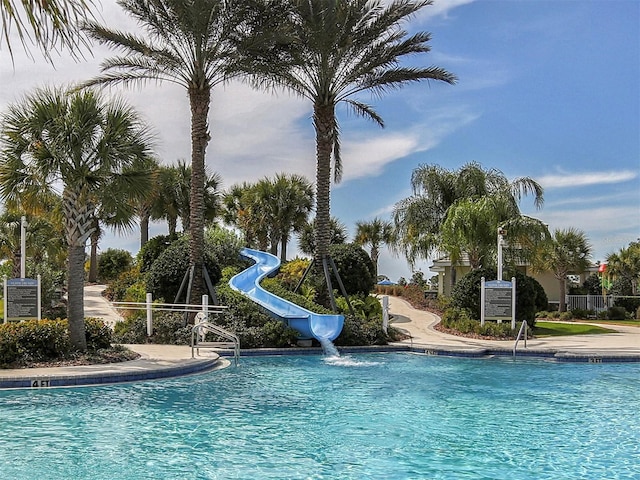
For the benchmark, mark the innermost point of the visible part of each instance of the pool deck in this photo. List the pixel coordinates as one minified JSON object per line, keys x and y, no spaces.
{"x":164,"y":361}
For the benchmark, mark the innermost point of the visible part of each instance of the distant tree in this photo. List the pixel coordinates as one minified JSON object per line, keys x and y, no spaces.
{"x":567,"y":251}
{"x":626,"y":265}
{"x":307,"y":237}
{"x":375,"y":234}
{"x":284,"y":204}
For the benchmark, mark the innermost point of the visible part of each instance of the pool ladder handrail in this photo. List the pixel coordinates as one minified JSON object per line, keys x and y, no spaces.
{"x":524,"y":327}
{"x":198,"y":332}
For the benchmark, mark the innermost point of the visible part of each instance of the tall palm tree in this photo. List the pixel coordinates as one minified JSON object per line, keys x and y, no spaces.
{"x":84,"y":144}
{"x":567,"y":252}
{"x":48,"y":23}
{"x":419,"y":219}
{"x":374,"y":233}
{"x":189,"y":43}
{"x":336,"y":50}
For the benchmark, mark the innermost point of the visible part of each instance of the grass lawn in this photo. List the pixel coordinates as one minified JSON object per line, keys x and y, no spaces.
{"x":553,"y":329}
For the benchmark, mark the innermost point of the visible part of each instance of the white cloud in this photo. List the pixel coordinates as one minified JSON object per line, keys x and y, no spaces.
{"x":566,"y":179}
{"x":441,"y":8}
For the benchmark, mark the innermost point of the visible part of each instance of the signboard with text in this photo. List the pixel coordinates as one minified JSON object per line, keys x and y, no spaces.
{"x":498,"y":301}
{"x":22,"y":299}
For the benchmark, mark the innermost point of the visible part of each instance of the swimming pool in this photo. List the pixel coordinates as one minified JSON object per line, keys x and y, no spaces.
{"x":373,"y":416}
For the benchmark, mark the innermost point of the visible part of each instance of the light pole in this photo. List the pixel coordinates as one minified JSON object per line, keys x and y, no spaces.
{"x":23,"y":246}
{"x":501,"y":234}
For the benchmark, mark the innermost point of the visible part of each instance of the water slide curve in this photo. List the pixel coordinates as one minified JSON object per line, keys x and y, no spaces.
{"x":309,"y":324}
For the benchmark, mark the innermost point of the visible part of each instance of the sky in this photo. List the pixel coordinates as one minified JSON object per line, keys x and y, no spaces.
{"x":546,"y":89}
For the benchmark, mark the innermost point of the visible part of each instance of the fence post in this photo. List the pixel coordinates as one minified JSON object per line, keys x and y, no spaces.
{"x":205,"y":307}
{"x":149,"y":314}
{"x":385,"y":313}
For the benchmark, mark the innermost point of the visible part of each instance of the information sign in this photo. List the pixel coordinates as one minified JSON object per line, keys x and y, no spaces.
{"x":21,"y":299}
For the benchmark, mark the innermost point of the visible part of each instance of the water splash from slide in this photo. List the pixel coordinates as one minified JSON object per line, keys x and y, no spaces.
{"x":329,"y":348}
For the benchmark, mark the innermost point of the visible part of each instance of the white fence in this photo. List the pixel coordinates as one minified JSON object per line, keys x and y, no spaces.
{"x":597,"y":303}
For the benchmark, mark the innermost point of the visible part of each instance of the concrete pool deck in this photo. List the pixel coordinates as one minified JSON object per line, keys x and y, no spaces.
{"x":419,"y":325}
{"x":164,"y":361}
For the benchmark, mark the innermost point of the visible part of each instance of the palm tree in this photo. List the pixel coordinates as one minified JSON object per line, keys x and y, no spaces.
{"x":307,"y":235}
{"x":374,"y":233}
{"x":87,"y":146}
{"x":268,"y":211}
{"x":241,"y":210}
{"x":283,"y":205}
{"x":51,"y":23}
{"x":567,"y":251}
{"x":182,"y":193}
{"x":626,"y":265}
{"x":189,"y":43}
{"x":441,"y":195}
{"x":335,"y":50}
{"x":291,"y":205}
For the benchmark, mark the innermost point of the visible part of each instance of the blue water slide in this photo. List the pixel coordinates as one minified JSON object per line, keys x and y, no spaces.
{"x":309,"y":324}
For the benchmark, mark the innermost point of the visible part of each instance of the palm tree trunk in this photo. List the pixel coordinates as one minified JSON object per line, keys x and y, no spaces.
{"x":199,"y":99}
{"x":323,"y":119}
{"x":375,"y":254}
{"x":78,"y":227}
{"x":283,"y":248}
{"x":144,"y":226}
{"x":172,"y":222}
{"x":75,"y":296}
{"x":562,"y":307}
{"x":93,"y":257}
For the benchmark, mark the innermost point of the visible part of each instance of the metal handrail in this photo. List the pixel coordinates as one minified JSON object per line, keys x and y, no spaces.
{"x":200,"y":329}
{"x":524,"y":327}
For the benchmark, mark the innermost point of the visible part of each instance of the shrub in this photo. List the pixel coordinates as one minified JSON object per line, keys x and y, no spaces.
{"x":98,"y":334}
{"x":168,"y":271}
{"x":581,"y":313}
{"x":112,"y":262}
{"x":616,"y":313}
{"x":151,"y":250}
{"x":45,"y":340}
{"x":358,"y":331}
{"x":355,"y":267}
{"x":223,"y":246}
{"x":168,"y":329}
{"x":565,"y":316}
{"x":630,"y":304}
{"x":116,"y":291}
{"x":530,"y":296}
{"x":291,"y":272}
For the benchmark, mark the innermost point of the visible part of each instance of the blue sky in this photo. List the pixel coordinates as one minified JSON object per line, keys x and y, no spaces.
{"x":547,"y":89}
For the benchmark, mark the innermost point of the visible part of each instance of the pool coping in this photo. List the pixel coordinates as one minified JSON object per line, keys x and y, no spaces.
{"x":110,"y":373}
{"x":145,"y":369}
{"x":558,"y":355}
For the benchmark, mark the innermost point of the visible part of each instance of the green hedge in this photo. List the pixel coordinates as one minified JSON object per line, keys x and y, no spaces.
{"x":46,"y":340}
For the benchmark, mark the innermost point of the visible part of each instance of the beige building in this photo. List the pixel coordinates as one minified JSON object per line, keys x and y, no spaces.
{"x":442,"y":267}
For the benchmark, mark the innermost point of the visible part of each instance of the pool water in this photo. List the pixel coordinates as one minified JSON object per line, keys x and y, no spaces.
{"x":374,"y":416}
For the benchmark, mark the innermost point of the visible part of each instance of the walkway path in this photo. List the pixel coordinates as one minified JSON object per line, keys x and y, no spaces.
{"x":419,"y":325}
